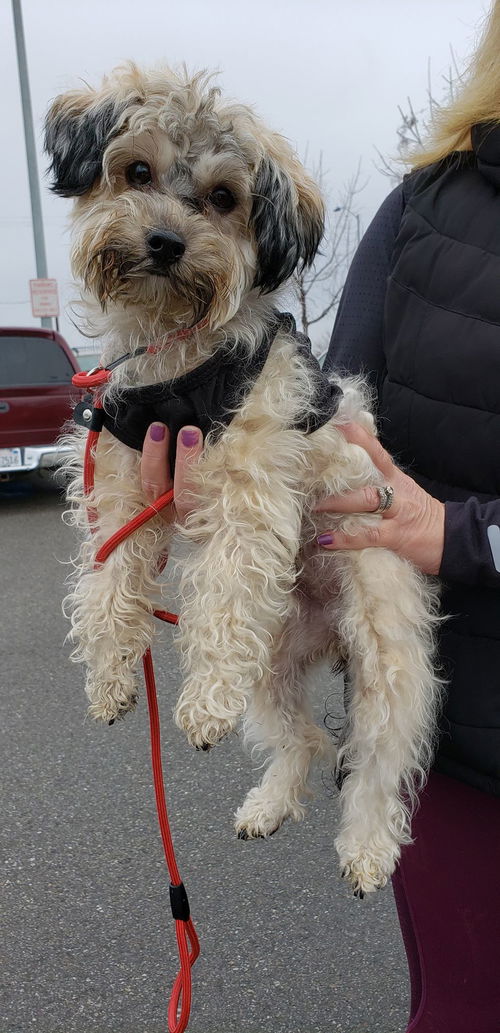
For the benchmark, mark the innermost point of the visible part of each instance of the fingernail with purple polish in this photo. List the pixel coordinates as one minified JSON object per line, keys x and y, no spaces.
{"x":157,"y":432}
{"x":325,"y":539}
{"x":189,"y":438}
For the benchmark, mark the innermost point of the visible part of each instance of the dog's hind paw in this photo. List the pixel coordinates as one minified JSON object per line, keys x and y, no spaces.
{"x":260,"y":817}
{"x":368,"y":870}
{"x":259,"y":828}
{"x":363,"y":879}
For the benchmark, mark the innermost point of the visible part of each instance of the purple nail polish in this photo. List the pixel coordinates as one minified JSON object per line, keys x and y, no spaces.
{"x":157,"y":432}
{"x":325,"y":539}
{"x":189,"y":438}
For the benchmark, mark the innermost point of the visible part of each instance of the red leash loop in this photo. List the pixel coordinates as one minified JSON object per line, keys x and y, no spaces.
{"x":187,"y":940}
{"x":94,"y":378}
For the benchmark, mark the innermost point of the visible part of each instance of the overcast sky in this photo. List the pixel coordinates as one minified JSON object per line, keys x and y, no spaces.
{"x":328,"y":74}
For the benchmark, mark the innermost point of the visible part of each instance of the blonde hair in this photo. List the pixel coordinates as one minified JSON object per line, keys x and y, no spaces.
{"x":477,"y":100}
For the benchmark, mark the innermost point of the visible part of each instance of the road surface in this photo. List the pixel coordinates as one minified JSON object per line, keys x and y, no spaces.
{"x":89,"y":938}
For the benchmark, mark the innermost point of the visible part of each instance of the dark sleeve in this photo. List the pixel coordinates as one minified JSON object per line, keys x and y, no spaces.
{"x":471,"y":554}
{"x":356,"y":345}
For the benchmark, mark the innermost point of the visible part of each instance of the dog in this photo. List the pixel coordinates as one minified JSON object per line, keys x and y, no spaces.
{"x":189,"y":217}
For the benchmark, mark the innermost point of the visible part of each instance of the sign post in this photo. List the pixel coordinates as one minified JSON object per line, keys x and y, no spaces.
{"x":36,"y":204}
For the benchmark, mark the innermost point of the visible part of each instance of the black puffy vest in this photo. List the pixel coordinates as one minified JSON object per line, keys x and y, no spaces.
{"x":440,"y":411}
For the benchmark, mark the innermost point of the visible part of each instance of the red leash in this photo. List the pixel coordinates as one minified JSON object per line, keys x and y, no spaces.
{"x":184,"y":928}
{"x":187,"y":940}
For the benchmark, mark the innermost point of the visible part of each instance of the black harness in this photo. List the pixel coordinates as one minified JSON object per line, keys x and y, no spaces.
{"x":209,"y":396}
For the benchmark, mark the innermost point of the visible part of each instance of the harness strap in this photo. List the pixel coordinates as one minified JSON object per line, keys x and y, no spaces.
{"x":208,"y":396}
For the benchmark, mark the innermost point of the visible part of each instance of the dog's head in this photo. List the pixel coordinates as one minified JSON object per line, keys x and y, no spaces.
{"x":184,"y":203}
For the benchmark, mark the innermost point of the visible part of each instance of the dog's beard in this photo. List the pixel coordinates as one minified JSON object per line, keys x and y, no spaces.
{"x":179,"y":298}
{"x":114,"y":276}
{"x":106,"y":274}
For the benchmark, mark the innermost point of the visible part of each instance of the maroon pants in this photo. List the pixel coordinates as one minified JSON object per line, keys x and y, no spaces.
{"x":447,"y":890}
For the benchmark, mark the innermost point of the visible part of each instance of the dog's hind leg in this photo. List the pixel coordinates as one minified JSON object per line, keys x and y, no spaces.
{"x":386,"y":627}
{"x":279,"y":719}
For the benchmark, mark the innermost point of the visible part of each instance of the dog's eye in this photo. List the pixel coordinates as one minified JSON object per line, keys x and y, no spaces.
{"x":222,"y":198}
{"x":138,"y":174}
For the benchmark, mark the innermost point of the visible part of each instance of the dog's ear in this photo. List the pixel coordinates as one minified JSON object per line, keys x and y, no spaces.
{"x":288,"y":221}
{"x":78,"y":127}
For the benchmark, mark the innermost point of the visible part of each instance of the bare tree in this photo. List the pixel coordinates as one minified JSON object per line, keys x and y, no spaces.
{"x":318,"y":288}
{"x":414,"y":124}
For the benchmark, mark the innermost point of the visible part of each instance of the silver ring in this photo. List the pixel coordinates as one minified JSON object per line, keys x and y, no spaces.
{"x":386,"y":496}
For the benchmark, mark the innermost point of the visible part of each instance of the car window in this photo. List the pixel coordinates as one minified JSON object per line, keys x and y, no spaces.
{"x":28,"y":361}
{"x":87,"y":360}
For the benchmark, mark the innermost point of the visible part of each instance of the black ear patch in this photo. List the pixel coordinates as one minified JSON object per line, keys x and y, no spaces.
{"x":286,"y":235}
{"x":76,"y":144}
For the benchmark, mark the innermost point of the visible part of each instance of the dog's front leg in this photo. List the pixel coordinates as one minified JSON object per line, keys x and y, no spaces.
{"x":111,"y":603}
{"x":236,"y":591}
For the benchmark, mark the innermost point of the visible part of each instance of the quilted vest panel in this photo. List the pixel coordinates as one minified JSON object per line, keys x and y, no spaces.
{"x":440,"y":413}
{"x":442,"y":333}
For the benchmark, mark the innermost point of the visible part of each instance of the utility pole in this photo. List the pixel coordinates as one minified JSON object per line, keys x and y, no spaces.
{"x":29,"y":136}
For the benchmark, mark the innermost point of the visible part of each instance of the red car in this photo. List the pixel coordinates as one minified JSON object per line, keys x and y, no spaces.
{"x":36,"y":398}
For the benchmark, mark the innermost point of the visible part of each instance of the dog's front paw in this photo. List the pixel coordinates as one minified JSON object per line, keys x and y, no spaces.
{"x":111,"y":697}
{"x":367,"y":868}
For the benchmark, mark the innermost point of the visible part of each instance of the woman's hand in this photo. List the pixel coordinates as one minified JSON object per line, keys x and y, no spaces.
{"x":413,"y":526}
{"x":155,"y":471}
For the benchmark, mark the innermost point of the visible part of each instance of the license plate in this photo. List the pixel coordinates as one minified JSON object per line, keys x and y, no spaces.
{"x":10,"y":458}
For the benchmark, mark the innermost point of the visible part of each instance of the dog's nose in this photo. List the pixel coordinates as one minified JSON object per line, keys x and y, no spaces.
{"x":165,"y":247}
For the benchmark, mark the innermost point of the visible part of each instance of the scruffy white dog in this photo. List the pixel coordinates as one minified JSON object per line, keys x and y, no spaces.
{"x":189,"y":216}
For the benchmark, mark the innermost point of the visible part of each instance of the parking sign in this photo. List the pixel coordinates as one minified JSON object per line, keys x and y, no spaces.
{"x":44,"y":297}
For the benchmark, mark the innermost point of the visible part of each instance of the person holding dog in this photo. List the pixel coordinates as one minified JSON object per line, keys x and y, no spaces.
{"x":420,"y":318}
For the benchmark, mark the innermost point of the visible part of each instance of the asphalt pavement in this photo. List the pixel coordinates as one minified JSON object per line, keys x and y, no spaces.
{"x":88,"y":935}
